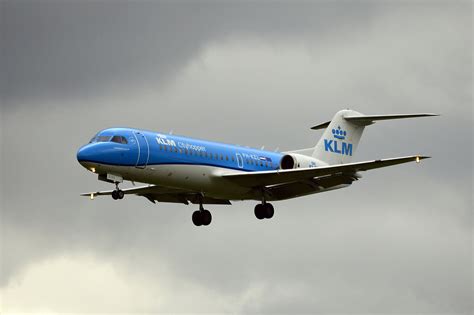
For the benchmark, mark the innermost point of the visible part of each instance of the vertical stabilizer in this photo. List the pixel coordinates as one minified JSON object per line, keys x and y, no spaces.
{"x":340,"y":139}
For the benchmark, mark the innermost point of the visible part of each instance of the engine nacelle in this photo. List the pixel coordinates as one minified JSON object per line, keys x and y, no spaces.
{"x":294,"y":160}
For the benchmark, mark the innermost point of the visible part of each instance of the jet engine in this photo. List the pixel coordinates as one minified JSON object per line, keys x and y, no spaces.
{"x":294,"y":160}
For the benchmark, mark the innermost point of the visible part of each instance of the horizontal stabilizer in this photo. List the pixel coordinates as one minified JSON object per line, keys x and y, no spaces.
{"x":370,"y":119}
{"x":321,"y":126}
{"x":364,"y":120}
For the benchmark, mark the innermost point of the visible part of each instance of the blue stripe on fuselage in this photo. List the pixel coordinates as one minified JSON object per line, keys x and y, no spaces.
{"x":151,"y":148}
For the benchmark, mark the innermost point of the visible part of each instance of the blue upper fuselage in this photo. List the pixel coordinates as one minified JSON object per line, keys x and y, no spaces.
{"x":133,"y":147}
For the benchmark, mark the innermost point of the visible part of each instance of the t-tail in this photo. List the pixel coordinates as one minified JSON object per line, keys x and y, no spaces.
{"x":342,"y":134}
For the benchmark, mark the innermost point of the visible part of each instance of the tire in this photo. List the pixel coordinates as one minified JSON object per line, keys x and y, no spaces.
{"x":259,"y":213}
{"x":120,"y":194}
{"x":114,"y":195}
{"x":206,"y":217}
{"x":197,"y":218}
{"x":268,"y":210}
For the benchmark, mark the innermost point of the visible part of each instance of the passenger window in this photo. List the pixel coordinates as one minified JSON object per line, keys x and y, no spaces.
{"x":233,"y":159}
{"x":226,"y":158}
{"x":222,"y":157}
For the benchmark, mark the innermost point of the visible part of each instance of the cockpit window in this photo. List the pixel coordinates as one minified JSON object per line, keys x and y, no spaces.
{"x":119,"y":139}
{"x":102,"y":139}
{"x":94,"y":138}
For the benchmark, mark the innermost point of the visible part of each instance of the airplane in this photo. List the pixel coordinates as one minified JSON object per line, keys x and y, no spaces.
{"x":184,"y":170}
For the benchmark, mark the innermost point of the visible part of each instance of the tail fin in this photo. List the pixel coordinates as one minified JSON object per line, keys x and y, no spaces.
{"x":342,"y":135}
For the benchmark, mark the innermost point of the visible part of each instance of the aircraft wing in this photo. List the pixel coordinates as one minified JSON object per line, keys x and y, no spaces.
{"x":163,"y":194}
{"x":266,"y":178}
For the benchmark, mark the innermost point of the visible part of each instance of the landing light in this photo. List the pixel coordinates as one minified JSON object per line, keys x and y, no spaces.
{"x":417,"y":159}
{"x":92,"y":196}
{"x":93,"y":169}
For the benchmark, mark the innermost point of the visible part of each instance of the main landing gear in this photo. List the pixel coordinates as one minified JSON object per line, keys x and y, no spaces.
{"x":202,"y":216}
{"x":117,"y":193}
{"x":264,"y":211}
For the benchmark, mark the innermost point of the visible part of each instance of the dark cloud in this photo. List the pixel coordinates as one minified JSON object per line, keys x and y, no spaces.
{"x":80,"y":49}
{"x":397,"y":241}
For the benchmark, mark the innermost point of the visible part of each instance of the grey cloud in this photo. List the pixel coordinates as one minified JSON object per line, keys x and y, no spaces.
{"x":81,"y":49}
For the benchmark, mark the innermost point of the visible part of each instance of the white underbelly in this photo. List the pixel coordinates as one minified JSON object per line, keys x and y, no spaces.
{"x":200,"y":178}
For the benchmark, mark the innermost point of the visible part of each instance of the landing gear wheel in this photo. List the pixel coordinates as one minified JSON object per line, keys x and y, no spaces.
{"x":202,"y":217}
{"x":206,"y":217}
{"x":268,"y":210}
{"x":120,"y":194}
{"x":259,"y":211}
{"x":115,"y":195}
{"x":197,"y":218}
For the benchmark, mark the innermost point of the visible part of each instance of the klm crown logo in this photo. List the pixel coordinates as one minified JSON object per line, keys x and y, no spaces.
{"x":339,"y":133}
{"x":341,"y":147}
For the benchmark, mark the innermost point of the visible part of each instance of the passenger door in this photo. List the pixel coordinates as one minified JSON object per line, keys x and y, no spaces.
{"x":143,"y":150}
{"x":240,"y":160}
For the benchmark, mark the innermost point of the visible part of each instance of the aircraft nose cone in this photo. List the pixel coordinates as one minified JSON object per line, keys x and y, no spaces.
{"x":84,"y":153}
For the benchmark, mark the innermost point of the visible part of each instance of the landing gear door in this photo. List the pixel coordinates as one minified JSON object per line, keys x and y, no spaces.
{"x":143,"y":150}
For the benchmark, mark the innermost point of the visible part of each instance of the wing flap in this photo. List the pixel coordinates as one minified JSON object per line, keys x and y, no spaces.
{"x":306,"y":187}
{"x":265,"y":178}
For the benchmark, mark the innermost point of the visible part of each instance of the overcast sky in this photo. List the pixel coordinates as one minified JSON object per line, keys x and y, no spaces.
{"x":397,"y":241}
